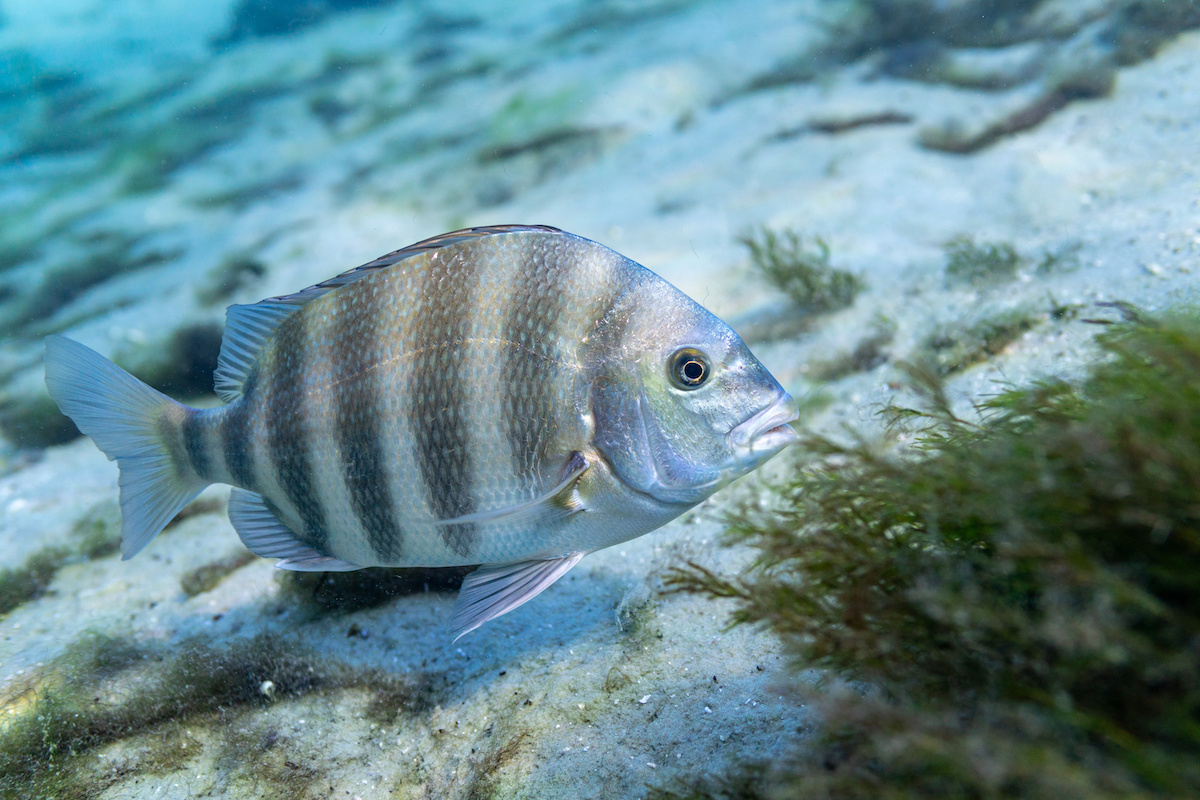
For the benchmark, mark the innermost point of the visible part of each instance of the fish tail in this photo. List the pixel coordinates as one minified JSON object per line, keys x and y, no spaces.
{"x":135,"y":425}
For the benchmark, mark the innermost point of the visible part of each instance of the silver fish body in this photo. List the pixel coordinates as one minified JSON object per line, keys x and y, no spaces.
{"x":513,"y":397}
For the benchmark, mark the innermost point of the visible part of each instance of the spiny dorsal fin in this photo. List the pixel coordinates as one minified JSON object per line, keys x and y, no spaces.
{"x":248,"y":327}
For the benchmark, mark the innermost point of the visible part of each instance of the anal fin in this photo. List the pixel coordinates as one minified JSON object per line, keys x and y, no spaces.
{"x":264,"y":535}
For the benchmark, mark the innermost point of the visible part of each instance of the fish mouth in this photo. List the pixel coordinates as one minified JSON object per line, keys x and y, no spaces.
{"x":768,"y":431}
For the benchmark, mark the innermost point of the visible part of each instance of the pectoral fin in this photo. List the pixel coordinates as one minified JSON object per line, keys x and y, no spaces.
{"x":561,"y":501}
{"x":497,"y":589}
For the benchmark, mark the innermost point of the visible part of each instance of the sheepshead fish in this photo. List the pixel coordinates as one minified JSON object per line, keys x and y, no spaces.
{"x":513,"y":397}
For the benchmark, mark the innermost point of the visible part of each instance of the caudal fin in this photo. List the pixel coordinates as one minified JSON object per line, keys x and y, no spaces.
{"x":134,"y":425}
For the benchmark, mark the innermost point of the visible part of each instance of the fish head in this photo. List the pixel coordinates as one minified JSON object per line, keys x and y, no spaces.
{"x":684,"y":407}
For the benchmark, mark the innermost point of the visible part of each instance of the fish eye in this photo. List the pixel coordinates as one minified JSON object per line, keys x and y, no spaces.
{"x":688,"y":368}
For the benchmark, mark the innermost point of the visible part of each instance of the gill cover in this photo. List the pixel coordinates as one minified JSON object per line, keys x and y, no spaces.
{"x":672,"y":393}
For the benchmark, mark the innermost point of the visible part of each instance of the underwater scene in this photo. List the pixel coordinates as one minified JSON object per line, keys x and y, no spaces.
{"x":804,"y":402}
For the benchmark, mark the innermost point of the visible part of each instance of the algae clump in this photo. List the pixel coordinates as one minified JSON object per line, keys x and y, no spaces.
{"x":950,"y":349}
{"x":96,"y":535}
{"x":105,"y":689}
{"x":801,"y":271}
{"x":968,"y":262}
{"x":1021,"y":589}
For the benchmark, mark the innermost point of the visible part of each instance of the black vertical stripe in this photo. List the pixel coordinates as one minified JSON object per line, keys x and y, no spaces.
{"x":536,"y":303}
{"x":288,"y":444}
{"x":235,"y":444}
{"x":357,"y":409}
{"x":194,"y":443}
{"x":439,"y":416}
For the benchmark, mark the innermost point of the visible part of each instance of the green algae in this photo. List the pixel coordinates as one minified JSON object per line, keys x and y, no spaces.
{"x":31,"y":579}
{"x":106,"y":689}
{"x":801,"y":271}
{"x":206,"y":577}
{"x":261,"y":762}
{"x":953,"y":348}
{"x":1021,"y":589}
{"x":242,"y":197}
{"x":391,"y":700}
{"x":972,"y":263}
{"x":252,"y":19}
{"x":487,"y":781}
{"x":533,"y":116}
{"x":96,"y":535}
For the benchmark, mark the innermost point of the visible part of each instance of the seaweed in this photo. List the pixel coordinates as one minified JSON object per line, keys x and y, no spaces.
{"x":971,"y":263}
{"x":800,"y":271}
{"x":206,"y":577}
{"x":104,"y":689}
{"x":97,"y":533}
{"x":1080,"y":83}
{"x":242,"y":197}
{"x":263,"y":763}
{"x":951,"y":348}
{"x":485,"y":783}
{"x":31,"y":579}
{"x":1021,"y":589}
{"x":72,"y":713}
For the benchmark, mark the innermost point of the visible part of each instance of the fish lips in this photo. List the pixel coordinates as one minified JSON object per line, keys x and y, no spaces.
{"x":768,"y":431}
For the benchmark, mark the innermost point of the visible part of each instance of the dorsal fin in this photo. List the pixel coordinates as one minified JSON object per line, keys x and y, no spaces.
{"x":248,"y":327}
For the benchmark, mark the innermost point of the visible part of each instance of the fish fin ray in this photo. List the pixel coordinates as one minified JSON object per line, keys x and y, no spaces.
{"x":560,"y":502}
{"x":265,"y":535}
{"x":396,"y":256}
{"x":496,"y":589}
{"x":130,"y":422}
{"x":318,"y":563}
{"x":248,"y":327}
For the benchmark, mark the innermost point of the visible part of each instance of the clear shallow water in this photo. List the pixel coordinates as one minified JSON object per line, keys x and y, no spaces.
{"x":159,"y":162}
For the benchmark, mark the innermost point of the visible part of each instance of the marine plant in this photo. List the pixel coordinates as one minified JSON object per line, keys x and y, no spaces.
{"x":968,"y":262}
{"x":96,"y":535}
{"x":1019,"y":591}
{"x":206,"y":577}
{"x":103,"y":689}
{"x":953,"y":348}
{"x":801,"y":271}
{"x":31,"y":578}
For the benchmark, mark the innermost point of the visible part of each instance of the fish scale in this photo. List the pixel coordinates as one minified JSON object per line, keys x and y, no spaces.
{"x":509,"y":396}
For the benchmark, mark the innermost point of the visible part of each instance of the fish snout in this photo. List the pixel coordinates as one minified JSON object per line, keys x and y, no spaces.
{"x":768,"y":431}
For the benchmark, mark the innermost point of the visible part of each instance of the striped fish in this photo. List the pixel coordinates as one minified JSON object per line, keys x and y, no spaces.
{"x":513,"y":397}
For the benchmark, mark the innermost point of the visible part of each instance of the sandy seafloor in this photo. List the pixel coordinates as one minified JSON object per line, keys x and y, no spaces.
{"x":158,"y":162}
